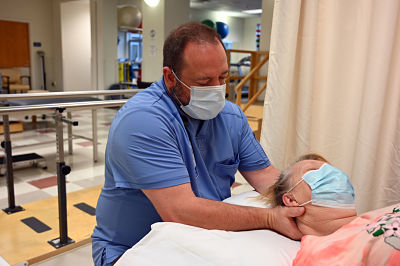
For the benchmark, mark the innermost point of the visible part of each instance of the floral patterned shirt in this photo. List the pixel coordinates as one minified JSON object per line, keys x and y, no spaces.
{"x":372,"y":238}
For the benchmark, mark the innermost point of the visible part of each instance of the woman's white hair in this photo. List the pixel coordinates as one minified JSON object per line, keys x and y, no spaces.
{"x":274,"y":194}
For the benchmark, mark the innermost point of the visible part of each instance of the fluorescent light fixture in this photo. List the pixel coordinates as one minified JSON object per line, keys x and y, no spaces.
{"x":152,"y":3}
{"x":253,"y":11}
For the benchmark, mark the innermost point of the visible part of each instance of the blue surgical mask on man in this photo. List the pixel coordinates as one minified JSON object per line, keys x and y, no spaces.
{"x":330,"y":187}
{"x":205,"y":101}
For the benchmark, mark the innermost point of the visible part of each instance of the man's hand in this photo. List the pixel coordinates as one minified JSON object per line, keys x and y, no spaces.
{"x":281,"y":220}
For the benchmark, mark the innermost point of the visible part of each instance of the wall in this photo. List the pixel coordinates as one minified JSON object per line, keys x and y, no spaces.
{"x":157,"y":23}
{"x":104,"y":35}
{"x":249,"y":38}
{"x":241,"y":33}
{"x":153,"y":39}
{"x":76,"y":45}
{"x":57,"y":83}
{"x":110,"y":38}
{"x":39,"y":15}
{"x":266,"y":25}
{"x":176,"y":13}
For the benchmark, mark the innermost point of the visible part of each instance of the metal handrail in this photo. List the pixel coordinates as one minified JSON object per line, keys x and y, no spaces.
{"x":54,"y":106}
{"x":49,"y":95}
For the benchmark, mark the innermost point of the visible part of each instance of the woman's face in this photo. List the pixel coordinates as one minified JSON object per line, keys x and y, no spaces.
{"x":302,"y":192}
{"x":316,"y":220}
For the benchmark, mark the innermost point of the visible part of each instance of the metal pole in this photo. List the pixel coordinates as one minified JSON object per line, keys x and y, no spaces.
{"x":62,"y":171}
{"x":94,"y":134}
{"x":44,"y":73}
{"x":9,"y":169}
{"x":41,"y":56}
{"x":70,"y":148}
{"x":69,"y":94}
{"x":62,"y":190}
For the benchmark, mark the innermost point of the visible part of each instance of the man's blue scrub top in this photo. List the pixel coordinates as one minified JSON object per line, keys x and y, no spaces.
{"x":148,"y":147}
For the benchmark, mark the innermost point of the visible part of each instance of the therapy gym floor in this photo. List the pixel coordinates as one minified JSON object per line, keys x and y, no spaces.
{"x":24,"y":234}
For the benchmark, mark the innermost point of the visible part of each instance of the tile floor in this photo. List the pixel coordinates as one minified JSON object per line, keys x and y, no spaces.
{"x":32,"y":183}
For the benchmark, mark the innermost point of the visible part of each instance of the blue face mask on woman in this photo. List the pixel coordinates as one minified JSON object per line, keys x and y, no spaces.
{"x":330,"y":187}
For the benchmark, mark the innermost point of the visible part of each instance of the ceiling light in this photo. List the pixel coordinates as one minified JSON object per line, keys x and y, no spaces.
{"x":152,"y":3}
{"x":253,"y":11}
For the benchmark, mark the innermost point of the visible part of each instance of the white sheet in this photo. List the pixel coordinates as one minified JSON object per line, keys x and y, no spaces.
{"x":178,"y":244}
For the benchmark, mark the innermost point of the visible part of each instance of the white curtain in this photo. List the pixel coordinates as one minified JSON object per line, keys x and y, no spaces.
{"x":334,"y":88}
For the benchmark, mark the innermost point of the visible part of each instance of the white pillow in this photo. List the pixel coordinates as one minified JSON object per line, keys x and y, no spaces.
{"x":178,"y":244}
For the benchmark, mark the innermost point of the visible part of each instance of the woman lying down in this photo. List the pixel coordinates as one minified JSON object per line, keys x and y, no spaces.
{"x":334,"y":234}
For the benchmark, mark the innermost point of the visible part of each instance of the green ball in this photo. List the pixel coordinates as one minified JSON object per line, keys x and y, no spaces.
{"x":209,"y":23}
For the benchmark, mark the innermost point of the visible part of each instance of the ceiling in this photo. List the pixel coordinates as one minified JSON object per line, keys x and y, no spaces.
{"x":233,"y":6}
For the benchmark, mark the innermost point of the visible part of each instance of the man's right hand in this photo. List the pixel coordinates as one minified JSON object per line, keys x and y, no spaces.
{"x":281,"y":220}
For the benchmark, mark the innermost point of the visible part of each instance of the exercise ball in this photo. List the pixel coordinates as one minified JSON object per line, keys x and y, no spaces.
{"x":209,"y":23}
{"x":129,"y":17}
{"x":222,"y":29}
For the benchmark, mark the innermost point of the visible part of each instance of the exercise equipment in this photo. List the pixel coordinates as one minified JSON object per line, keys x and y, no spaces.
{"x":222,"y":29}
{"x":12,"y":208}
{"x":126,"y":72}
{"x":129,"y":17}
{"x":29,"y":103}
{"x":209,"y":23}
{"x":62,"y":171}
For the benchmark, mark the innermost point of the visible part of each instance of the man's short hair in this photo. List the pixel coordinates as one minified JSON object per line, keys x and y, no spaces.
{"x":177,"y":40}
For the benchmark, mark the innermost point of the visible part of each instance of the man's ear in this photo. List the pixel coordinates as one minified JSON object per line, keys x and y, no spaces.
{"x":169,"y":78}
{"x":289,"y":200}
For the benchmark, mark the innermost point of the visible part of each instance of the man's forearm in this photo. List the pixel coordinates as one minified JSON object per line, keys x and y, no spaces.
{"x":179,"y":204}
{"x":211,"y":214}
{"x":263,"y":178}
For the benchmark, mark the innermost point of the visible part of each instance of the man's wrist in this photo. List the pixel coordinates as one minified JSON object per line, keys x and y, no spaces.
{"x":268,"y":218}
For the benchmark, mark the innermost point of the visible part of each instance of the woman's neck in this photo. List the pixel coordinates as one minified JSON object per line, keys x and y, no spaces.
{"x":323,"y":221}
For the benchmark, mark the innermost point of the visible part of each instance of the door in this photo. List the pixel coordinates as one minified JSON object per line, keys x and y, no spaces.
{"x":14,"y":44}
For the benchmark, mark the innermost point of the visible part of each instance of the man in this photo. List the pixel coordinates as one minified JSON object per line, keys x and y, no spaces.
{"x":173,"y":151}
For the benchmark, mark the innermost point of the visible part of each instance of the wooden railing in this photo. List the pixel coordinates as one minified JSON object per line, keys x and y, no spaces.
{"x":257,"y":60}
{"x":252,"y":77}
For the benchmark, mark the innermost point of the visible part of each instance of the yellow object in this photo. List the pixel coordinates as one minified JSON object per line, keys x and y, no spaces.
{"x":127,"y":73}
{"x":121,"y":72}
